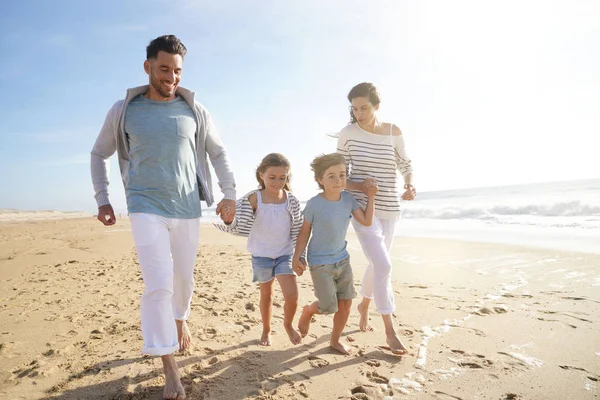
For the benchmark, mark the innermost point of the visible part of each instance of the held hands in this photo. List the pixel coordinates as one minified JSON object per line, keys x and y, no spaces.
{"x":226,"y":210}
{"x":369,"y":187}
{"x":410,"y":192}
{"x":106,"y":215}
{"x":299,"y":266}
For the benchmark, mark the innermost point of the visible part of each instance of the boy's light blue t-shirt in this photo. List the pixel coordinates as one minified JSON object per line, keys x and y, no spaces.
{"x":162,"y":166}
{"x":329,"y":221}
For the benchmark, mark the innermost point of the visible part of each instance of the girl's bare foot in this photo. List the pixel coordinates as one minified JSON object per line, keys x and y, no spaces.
{"x":364,"y":318}
{"x":293,"y":335}
{"x":265,"y":339}
{"x":183,"y":335}
{"x":173,"y":387}
{"x":396,"y":345}
{"x":304,"y":321}
{"x":341,"y":347}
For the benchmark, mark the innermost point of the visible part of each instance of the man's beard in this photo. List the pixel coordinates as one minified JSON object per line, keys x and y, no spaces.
{"x":159,"y":88}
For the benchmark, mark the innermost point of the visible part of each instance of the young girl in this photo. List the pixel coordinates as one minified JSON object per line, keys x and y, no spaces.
{"x":271,"y":219}
{"x":327,"y":216}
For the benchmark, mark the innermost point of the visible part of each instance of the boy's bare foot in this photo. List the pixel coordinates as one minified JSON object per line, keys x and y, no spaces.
{"x":173,"y":387}
{"x":364,"y":318}
{"x":265,"y":339}
{"x":396,"y":345}
{"x":183,"y":335}
{"x":293,"y":334}
{"x":341,"y":347}
{"x":304,"y":321}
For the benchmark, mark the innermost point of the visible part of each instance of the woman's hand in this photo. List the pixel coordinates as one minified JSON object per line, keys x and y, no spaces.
{"x":410,"y":192}
{"x":367,"y":185}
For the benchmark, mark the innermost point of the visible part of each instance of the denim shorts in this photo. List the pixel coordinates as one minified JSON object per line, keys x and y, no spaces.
{"x":332,"y":282}
{"x":264,"y":269}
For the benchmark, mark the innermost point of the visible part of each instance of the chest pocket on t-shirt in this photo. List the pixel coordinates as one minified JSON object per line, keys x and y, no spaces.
{"x":186,"y":127}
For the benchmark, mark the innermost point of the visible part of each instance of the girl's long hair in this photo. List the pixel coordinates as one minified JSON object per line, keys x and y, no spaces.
{"x":273,"y":160}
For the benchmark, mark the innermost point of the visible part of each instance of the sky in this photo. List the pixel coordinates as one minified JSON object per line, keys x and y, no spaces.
{"x":486,"y":93}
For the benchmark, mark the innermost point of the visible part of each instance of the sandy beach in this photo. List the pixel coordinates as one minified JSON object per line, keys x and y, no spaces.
{"x":483,"y":321}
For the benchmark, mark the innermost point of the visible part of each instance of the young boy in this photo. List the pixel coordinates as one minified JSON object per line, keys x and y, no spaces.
{"x":327,"y":216}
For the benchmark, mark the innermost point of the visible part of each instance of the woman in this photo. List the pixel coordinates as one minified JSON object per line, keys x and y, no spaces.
{"x":374,"y":153}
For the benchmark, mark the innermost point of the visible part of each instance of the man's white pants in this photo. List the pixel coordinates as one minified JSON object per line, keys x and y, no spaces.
{"x":166,"y":249}
{"x":376,"y":242}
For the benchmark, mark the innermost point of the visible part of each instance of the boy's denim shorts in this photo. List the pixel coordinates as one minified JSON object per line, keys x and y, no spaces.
{"x":264,"y":269}
{"x":332,"y":282}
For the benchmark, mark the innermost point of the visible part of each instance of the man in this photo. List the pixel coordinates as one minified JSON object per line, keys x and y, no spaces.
{"x":162,"y":137}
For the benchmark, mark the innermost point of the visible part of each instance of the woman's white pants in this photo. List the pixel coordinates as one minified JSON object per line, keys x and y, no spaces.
{"x":376,"y":242}
{"x":166,"y":249}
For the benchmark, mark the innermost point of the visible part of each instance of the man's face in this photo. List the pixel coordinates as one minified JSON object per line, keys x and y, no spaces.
{"x":165,"y":73}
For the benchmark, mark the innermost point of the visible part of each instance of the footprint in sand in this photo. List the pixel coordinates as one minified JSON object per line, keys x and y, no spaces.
{"x":470,"y":360}
{"x":317,"y":362}
{"x":375,"y":377}
{"x":492,"y":310}
{"x":591,"y":378}
{"x":363,"y":392}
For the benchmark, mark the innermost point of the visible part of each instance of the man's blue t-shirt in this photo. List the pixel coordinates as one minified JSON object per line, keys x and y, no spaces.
{"x":162,"y":151}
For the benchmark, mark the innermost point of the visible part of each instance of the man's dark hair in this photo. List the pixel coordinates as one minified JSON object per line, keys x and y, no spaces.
{"x":167,"y":43}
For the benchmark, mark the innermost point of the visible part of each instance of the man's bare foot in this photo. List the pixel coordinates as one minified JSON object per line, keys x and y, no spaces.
{"x":183,"y":335}
{"x":173,"y":387}
{"x":364,"y":318}
{"x":304,"y":321}
{"x":293,"y":334}
{"x":265,"y":339}
{"x":341,"y":347}
{"x":396,"y":345}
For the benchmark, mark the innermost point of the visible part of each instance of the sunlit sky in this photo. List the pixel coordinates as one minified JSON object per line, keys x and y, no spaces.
{"x":486,"y":93}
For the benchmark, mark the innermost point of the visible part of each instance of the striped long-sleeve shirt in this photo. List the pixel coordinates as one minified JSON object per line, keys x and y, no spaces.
{"x":380,"y":157}
{"x":244,"y":217}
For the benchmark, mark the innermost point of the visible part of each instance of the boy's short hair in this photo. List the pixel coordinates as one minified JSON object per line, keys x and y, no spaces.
{"x":323,"y":162}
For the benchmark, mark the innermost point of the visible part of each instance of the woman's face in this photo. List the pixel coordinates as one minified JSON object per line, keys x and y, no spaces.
{"x":363,"y":110}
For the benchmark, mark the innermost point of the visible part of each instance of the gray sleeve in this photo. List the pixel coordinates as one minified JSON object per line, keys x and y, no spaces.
{"x":218,"y":157}
{"x":104,"y":148}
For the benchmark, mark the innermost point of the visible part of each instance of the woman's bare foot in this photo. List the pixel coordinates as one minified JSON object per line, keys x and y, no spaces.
{"x":183,"y":335}
{"x":364,"y":318}
{"x":173,"y":387}
{"x":396,"y":345}
{"x":341,"y":347}
{"x":293,"y":334}
{"x":304,"y":321}
{"x":265,"y":339}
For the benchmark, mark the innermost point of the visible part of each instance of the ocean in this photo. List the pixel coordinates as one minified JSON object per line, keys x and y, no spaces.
{"x":555,"y":215}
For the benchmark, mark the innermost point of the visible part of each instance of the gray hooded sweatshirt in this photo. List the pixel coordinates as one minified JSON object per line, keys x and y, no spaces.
{"x":112,"y":138}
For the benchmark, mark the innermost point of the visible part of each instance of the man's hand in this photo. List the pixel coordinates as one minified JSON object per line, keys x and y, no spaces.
{"x":106,"y":215}
{"x":226,"y":210}
{"x":299,"y":266}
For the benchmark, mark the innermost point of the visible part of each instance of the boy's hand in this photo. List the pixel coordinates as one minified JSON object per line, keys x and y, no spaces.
{"x":299,"y":266}
{"x":372,"y":189}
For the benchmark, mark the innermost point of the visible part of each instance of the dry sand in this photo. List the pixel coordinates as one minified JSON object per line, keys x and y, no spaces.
{"x":483,"y":321}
